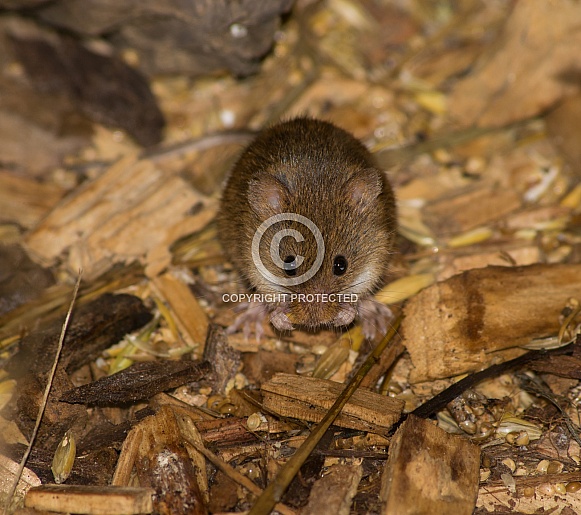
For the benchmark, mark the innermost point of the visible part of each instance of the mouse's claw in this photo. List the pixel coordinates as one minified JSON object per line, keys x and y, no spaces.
{"x":250,"y":320}
{"x":374,"y":317}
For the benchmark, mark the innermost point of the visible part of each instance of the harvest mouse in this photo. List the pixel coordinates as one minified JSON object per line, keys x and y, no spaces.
{"x":309,"y":221}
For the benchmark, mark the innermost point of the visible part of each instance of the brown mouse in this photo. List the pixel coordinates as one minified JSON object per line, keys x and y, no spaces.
{"x":294,"y":178}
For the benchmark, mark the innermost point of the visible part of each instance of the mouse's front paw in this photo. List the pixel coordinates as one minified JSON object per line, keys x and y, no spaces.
{"x":374,"y":317}
{"x":250,"y":319}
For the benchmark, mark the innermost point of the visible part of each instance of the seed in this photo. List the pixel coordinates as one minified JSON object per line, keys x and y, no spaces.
{"x":468,"y":426}
{"x":555,"y":467}
{"x":522,"y":439}
{"x":542,"y":466}
{"x":511,"y":437}
{"x":509,"y":463}
{"x":64,"y":457}
{"x":254,"y":421}
{"x":486,"y":430}
{"x":214,"y":401}
{"x":528,"y":491}
{"x":573,"y":487}
{"x":227,"y":408}
{"x":546,"y":489}
{"x":560,"y":488}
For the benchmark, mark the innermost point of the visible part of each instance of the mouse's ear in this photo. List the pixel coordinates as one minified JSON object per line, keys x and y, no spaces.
{"x":364,"y":187}
{"x":268,"y":196}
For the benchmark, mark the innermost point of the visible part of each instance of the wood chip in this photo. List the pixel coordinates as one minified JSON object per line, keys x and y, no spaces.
{"x":188,"y":314}
{"x":118,"y":217}
{"x":480,"y":316}
{"x":307,"y":398}
{"x":470,"y":209}
{"x":334,"y":492}
{"x":513,"y":79}
{"x":93,"y":500}
{"x":429,"y":471}
{"x":140,"y":381}
{"x":25,"y":201}
{"x":155,"y":455}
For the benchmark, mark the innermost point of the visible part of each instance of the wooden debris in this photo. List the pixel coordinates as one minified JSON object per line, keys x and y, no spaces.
{"x":429,"y":471}
{"x":155,"y":454}
{"x":483,"y":256}
{"x":21,"y":280}
{"x":110,"y":219}
{"x":334,"y":492}
{"x":94,"y":327}
{"x":232,"y":474}
{"x":228,"y":432}
{"x":140,"y":381}
{"x":8,"y":471}
{"x":564,"y":131}
{"x":93,"y":500}
{"x":188,"y":315}
{"x":485,"y":98}
{"x":25,"y":201}
{"x":307,"y":398}
{"x":224,"y":359}
{"x":470,"y":209}
{"x":482,"y":315}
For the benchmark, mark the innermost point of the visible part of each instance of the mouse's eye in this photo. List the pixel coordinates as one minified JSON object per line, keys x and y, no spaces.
{"x":339,"y":265}
{"x":290,"y":266}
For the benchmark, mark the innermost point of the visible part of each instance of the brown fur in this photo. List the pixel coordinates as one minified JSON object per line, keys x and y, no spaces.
{"x":319,"y":171}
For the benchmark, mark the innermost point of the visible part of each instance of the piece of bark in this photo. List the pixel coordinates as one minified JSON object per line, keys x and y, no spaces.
{"x":157,"y":451}
{"x":260,"y":366}
{"x":531,"y":66}
{"x":57,"y":417}
{"x":8,"y":471}
{"x":117,"y":218}
{"x":104,"y":434}
{"x":563,"y":128}
{"x":94,"y":500}
{"x":223,"y":494}
{"x":228,"y":432}
{"x":225,"y":360}
{"x":138,"y":382}
{"x":102,"y":86}
{"x":429,"y":471}
{"x":93,"y":328}
{"x":469,"y":209}
{"x":481,"y":316}
{"x":307,"y":398}
{"x":193,"y":38}
{"x":563,"y":366}
{"x":385,"y":362}
{"x":480,"y":256}
{"x":334,"y":492}
{"x":21,"y":280}
{"x":187,"y":313}
{"x":24,"y":201}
